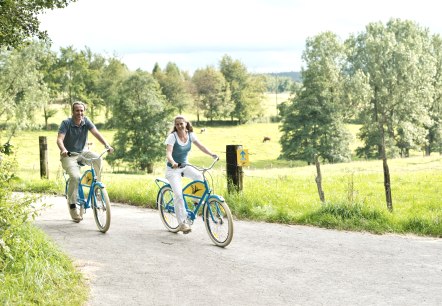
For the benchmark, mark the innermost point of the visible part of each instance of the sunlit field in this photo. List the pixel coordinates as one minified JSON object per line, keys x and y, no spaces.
{"x":274,"y":190}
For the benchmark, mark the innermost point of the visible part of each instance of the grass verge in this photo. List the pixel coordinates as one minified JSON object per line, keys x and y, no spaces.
{"x":40,"y":274}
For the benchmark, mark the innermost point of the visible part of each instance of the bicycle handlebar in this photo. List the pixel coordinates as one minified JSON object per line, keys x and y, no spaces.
{"x":202,"y":169}
{"x":76,"y":154}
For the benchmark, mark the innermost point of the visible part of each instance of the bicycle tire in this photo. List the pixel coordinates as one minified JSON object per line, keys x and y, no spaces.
{"x":219,"y":222}
{"x":102,"y":208}
{"x":166,"y":209}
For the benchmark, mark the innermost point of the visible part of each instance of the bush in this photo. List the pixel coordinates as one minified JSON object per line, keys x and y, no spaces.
{"x":14,"y":211}
{"x":33,"y":270}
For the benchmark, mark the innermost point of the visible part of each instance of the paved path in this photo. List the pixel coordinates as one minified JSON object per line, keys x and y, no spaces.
{"x":138,"y":262}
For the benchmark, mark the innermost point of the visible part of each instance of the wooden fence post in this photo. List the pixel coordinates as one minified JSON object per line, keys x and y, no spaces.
{"x":44,"y":172}
{"x":234,"y":172}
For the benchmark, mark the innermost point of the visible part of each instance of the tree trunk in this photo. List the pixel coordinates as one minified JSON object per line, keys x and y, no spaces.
{"x":387,"y":183}
{"x":318,"y":179}
{"x":427,"y":150}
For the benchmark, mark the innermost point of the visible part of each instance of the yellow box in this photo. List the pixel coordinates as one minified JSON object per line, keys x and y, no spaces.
{"x":242,"y":157}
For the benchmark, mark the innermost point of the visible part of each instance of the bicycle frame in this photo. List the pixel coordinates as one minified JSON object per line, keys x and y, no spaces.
{"x":216,"y":214}
{"x":87,"y":183}
{"x":194,"y":190}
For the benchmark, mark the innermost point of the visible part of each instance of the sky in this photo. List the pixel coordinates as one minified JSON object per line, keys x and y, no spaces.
{"x":267,"y":36}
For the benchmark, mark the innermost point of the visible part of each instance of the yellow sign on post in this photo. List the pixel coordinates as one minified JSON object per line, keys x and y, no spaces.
{"x":242,"y":156}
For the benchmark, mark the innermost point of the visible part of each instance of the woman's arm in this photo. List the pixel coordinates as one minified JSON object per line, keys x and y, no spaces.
{"x":203,"y":148}
{"x":169,"y":149}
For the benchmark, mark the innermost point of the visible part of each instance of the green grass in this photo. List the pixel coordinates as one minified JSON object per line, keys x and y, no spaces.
{"x":276,"y":190}
{"x":40,"y":274}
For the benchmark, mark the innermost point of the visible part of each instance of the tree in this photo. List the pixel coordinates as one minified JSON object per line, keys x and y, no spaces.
{"x":75,"y":66}
{"x":18,"y":20}
{"x":212,"y":93}
{"x":313,"y":121}
{"x":22,"y":89}
{"x":434,"y":125}
{"x":114,"y":73}
{"x":246,"y":91}
{"x":278,"y":83}
{"x":173,"y":86}
{"x":51,"y":77}
{"x":92,"y":76}
{"x":141,"y":117}
{"x":398,"y":68}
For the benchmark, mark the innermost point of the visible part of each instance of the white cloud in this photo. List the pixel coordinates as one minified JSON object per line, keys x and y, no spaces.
{"x":266,"y":35}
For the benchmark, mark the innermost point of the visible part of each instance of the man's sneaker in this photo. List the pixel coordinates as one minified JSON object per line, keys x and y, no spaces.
{"x":185,"y":228}
{"x":74,"y":215}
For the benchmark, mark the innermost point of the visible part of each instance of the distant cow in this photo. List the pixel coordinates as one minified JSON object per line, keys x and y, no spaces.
{"x":203,"y":130}
{"x":266,"y":138}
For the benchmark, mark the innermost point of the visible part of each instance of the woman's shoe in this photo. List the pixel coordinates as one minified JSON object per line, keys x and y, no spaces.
{"x":185,"y":228}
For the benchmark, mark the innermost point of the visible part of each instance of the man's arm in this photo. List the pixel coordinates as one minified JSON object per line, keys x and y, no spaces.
{"x":101,"y":139}
{"x":60,"y":144}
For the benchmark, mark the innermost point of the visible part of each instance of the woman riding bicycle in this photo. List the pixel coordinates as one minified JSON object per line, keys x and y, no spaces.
{"x":178,"y":145}
{"x":72,"y":137}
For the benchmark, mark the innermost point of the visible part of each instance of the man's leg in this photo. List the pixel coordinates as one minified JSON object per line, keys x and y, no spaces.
{"x":70,"y":165}
{"x":97,"y":162}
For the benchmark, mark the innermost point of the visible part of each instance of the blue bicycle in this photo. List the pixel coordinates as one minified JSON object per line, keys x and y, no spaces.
{"x":98,"y":199}
{"x":216,"y":213}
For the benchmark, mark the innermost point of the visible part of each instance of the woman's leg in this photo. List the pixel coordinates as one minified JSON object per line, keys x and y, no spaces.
{"x":174,"y":178}
{"x":192,"y":173}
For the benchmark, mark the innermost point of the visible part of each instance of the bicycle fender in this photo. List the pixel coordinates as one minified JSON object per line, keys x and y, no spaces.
{"x":218,"y":197}
{"x":159,"y":192}
{"x":100,"y":184}
{"x":163,"y":181}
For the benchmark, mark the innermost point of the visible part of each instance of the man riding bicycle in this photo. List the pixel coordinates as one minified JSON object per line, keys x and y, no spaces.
{"x":72,"y":137}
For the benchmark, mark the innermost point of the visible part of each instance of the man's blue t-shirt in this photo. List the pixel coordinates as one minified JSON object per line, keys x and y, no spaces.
{"x":75,"y":135}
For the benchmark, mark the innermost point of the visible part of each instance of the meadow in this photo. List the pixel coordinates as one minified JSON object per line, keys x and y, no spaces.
{"x":275,"y":190}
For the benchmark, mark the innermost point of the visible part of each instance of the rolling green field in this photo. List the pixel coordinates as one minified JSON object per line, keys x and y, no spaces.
{"x":275,"y":190}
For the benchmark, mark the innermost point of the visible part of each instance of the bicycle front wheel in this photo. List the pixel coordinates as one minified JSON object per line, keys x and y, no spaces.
{"x":101,"y":207}
{"x":219,"y":222}
{"x":167,"y":209}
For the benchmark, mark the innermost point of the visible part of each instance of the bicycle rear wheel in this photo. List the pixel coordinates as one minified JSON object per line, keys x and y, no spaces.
{"x":219,"y":222}
{"x":101,"y":207}
{"x":167,"y":209}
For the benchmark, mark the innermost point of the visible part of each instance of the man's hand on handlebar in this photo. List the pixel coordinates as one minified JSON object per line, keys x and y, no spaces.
{"x":109,"y":148}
